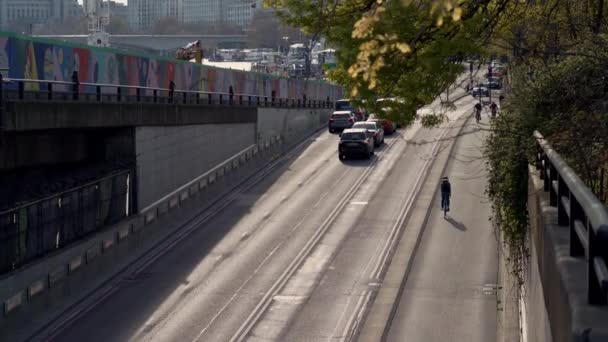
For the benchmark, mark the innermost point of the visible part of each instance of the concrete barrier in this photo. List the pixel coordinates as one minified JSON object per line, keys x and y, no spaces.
{"x":53,"y":284}
{"x":555,"y":286}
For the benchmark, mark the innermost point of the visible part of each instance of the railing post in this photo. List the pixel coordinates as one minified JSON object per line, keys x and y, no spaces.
{"x":21,"y":90}
{"x":118,"y":94}
{"x":185,"y":97}
{"x":49,"y":89}
{"x":221,"y":99}
{"x":576,"y":214}
{"x":98,"y":93}
{"x":241,"y":100}
{"x":595,"y":293}
{"x":249,"y":99}
{"x":552,"y":192}
{"x":280,"y":102}
{"x":266,"y":101}
{"x":198,"y":98}
{"x":155,"y":95}
{"x":547,"y":171}
{"x":299,"y":103}
{"x":562,"y":191}
{"x":138,"y":94}
{"x":210,"y":99}
{"x":258,"y":100}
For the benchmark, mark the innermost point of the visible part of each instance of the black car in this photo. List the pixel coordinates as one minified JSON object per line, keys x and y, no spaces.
{"x":356,"y":142}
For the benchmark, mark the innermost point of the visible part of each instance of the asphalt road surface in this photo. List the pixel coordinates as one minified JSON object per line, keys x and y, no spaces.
{"x":450,"y":293}
{"x":298,"y":256}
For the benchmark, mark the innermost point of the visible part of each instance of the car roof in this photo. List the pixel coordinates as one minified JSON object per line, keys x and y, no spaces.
{"x":342,"y":112}
{"x":355,"y":130}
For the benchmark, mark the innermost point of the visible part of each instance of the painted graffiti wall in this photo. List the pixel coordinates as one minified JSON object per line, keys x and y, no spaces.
{"x":44,"y":59}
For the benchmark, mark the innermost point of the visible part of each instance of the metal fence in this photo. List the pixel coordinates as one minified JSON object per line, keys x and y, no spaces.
{"x":47,"y":90}
{"x":582,"y":212}
{"x":35,"y":229}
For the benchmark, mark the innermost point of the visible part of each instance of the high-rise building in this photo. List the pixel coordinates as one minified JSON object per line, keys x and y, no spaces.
{"x":144,"y":13}
{"x":13,"y":12}
{"x":240,"y":12}
{"x":118,"y":10}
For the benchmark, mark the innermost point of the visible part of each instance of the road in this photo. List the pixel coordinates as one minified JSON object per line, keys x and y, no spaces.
{"x":298,"y":256}
{"x":450,"y":293}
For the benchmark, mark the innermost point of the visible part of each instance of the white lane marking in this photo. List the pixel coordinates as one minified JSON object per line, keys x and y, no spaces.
{"x":259,"y":310}
{"x":358,"y":203}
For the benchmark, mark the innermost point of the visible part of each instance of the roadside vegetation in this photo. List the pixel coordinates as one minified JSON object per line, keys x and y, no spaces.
{"x":556,"y":80}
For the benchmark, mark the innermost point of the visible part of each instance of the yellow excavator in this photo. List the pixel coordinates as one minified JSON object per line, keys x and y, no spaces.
{"x":191,"y":51}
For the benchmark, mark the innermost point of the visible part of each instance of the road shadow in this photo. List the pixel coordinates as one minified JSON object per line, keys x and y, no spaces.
{"x":458,"y":225}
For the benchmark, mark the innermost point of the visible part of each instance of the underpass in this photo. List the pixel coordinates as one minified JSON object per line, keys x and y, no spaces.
{"x":300,"y":255}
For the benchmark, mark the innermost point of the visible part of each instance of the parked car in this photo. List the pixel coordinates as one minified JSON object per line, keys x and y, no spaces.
{"x":387,"y":125}
{"x":344,"y":104}
{"x":340,"y":120}
{"x":493,"y":85}
{"x":374,"y":128}
{"x":355,"y":142}
{"x":480,"y":91}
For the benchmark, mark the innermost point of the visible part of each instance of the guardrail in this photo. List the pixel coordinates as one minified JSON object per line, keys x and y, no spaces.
{"x":33,"y":230}
{"x":15,"y":89}
{"x":584,"y":214}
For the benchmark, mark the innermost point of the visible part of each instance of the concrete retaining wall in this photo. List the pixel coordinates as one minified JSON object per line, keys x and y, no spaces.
{"x":555,"y":288}
{"x":291,"y":124}
{"x":49,"y":286}
{"x":169,"y":157}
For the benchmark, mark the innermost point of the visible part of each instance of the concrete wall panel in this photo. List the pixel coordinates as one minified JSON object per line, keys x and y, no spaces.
{"x":169,"y":157}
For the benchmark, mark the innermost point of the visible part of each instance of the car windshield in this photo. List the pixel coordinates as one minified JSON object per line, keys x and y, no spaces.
{"x":343,"y":105}
{"x":353,"y":136}
{"x":366,"y":125}
{"x":340,"y":116}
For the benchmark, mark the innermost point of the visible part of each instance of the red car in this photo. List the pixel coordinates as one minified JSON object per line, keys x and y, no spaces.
{"x":387,"y":125}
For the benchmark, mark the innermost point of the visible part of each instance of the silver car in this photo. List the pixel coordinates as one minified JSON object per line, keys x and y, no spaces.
{"x":341,"y":120}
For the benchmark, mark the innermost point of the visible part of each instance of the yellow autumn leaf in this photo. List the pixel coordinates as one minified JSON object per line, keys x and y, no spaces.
{"x":457,"y":14}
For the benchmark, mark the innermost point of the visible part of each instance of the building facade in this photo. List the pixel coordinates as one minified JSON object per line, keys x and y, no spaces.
{"x":143,"y":14}
{"x":240,"y":13}
{"x":14,"y":13}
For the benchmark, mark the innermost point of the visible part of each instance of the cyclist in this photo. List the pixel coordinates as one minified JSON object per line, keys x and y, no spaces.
{"x":494,"y":108}
{"x":477,"y":109}
{"x":446,"y":192}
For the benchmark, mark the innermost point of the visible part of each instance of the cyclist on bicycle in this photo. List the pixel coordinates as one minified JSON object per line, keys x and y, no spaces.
{"x":446,"y":192}
{"x":494,"y":108}
{"x":477,"y":109}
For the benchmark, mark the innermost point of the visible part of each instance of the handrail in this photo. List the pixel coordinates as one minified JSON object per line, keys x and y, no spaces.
{"x":109,"y":85}
{"x":61,"y":193}
{"x":578,"y":208}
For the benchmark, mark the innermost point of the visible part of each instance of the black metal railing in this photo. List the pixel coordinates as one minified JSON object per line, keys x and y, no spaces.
{"x":48,"y":90}
{"x":580,"y":210}
{"x":37,"y":228}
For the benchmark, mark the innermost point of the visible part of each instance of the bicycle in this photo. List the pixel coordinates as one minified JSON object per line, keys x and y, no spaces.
{"x":445,"y":204}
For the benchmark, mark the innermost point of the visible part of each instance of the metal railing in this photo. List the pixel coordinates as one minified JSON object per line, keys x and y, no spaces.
{"x":16,"y":89}
{"x":35,"y":229}
{"x":580,"y":210}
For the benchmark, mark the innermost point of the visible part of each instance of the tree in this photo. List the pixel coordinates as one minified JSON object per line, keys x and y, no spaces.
{"x":402,"y":49}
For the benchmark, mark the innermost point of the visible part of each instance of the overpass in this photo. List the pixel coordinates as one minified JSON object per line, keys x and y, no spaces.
{"x":161,"y":43}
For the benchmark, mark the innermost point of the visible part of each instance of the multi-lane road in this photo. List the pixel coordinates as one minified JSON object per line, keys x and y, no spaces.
{"x":301,"y":255}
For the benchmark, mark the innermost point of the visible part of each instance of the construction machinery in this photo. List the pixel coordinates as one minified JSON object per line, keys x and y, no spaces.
{"x":191,"y":51}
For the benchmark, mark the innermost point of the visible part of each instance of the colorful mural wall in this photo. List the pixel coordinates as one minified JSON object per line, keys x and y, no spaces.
{"x":44,"y":59}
